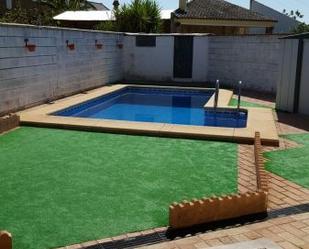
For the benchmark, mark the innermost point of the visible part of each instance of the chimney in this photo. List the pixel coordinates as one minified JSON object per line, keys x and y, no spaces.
{"x":183,"y":4}
{"x":8,"y":4}
{"x":251,"y":4}
{"x":116,"y":4}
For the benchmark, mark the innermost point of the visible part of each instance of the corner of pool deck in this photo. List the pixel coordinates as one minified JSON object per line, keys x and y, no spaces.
{"x":259,"y":119}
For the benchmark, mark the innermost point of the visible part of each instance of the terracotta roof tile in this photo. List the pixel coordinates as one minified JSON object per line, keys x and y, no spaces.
{"x":218,"y":9}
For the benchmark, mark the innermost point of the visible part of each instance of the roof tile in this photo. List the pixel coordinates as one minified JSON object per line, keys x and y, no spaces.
{"x":218,"y":9}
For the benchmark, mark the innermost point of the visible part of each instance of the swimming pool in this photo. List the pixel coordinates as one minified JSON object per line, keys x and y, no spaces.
{"x":157,"y":105}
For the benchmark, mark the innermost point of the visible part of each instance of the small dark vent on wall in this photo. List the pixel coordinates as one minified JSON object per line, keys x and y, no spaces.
{"x":146,"y":41}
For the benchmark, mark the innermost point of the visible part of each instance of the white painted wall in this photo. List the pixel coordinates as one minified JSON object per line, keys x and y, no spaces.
{"x":156,"y":64}
{"x":287,"y":76}
{"x":149,"y":63}
{"x":52,"y":71}
{"x":304,"y":85}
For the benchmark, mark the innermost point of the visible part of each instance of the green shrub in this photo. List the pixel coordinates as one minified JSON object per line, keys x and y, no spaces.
{"x":301,"y":28}
{"x":139,"y":16}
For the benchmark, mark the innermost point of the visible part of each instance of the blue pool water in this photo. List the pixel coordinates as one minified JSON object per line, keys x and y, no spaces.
{"x":159,"y":105}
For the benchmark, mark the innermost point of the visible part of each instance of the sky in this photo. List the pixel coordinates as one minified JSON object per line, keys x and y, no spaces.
{"x":302,"y":5}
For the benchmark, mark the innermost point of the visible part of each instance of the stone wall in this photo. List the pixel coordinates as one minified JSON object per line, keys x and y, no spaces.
{"x":53,"y":70}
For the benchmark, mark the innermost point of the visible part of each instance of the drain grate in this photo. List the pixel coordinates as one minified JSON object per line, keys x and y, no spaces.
{"x":160,"y":237}
{"x":134,"y":242}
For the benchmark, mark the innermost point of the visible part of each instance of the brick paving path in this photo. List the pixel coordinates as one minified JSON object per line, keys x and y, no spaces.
{"x":291,"y":123}
{"x":246,"y":169}
{"x":290,"y":232}
{"x":282,"y":193}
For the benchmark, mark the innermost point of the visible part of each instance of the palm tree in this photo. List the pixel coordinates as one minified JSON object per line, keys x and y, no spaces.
{"x":139,"y":16}
{"x":62,"y":5}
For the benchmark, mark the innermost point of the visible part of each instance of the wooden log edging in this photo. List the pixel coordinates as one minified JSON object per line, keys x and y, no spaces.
{"x":5,"y":240}
{"x":261,"y":174}
{"x":208,"y":210}
{"x":9,"y":122}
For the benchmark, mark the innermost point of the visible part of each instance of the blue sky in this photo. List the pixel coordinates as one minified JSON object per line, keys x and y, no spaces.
{"x":302,"y":5}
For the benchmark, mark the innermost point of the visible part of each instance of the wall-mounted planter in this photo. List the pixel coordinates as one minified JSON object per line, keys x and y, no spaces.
{"x":98,"y":45}
{"x":70,"y":46}
{"x":29,"y":47}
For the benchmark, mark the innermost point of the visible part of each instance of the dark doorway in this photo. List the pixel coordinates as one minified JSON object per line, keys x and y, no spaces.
{"x":183,"y":56}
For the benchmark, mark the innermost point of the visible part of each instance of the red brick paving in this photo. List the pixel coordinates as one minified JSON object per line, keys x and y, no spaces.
{"x":282,"y":193}
{"x":288,"y":232}
{"x":246,"y":169}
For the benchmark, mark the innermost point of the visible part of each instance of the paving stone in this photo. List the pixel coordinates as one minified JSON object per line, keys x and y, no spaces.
{"x":254,"y":244}
{"x":76,"y":246}
{"x":292,"y":238}
{"x":287,"y":245}
{"x":306,"y":246}
{"x":201,"y":245}
{"x":214,"y":242}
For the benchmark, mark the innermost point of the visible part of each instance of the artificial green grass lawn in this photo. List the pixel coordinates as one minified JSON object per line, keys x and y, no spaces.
{"x":61,"y":187}
{"x":291,"y":164}
{"x":234,"y":102}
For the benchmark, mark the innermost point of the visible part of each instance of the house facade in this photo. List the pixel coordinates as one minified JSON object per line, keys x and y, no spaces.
{"x":218,"y":17}
{"x":284,"y":25}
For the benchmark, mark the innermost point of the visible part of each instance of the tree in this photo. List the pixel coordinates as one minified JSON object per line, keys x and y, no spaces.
{"x":138,"y":16}
{"x":294,"y":14}
{"x":59,"y":6}
{"x":27,"y":16}
{"x":301,"y":28}
{"x":44,"y":11}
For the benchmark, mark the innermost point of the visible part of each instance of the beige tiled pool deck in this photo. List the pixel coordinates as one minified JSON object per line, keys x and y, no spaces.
{"x":259,"y":119}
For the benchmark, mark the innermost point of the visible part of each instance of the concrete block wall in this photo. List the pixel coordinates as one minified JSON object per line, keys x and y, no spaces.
{"x":52,"y":70}
{"x":253,"y":59}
